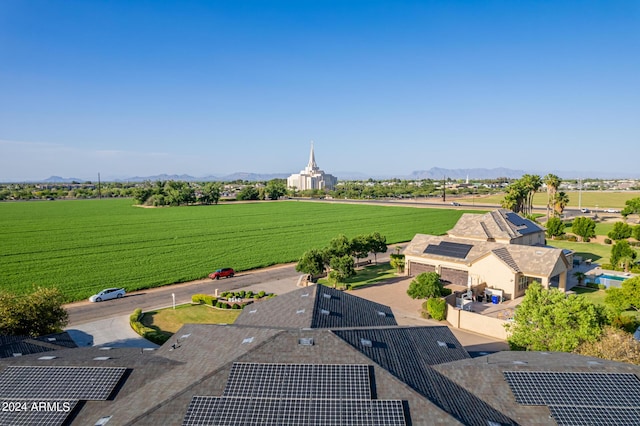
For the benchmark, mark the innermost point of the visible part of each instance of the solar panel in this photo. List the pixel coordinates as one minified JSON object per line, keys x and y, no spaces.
{"x":35,"y":413}
{"x":55,"y":383}
{"x":601,"y":416}
{"x":560,"y":388}
{"x":204,"y":410}
{"x":449,"y":249}
{"x":320,"y":381}
{"x":517,"y":220}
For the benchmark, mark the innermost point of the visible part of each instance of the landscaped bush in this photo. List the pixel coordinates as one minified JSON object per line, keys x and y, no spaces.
{"x":236,"y":306}
{"x":261,"y":294}
{"x":572,"y":238}
{"x":593,"y":285}
{"x":437,"y":308}
{"x":607,"y":240}
{"x":203,"y":298}
{"x":445,"y":292}
{"x":602,"y":286}
{"x":425,"y":311}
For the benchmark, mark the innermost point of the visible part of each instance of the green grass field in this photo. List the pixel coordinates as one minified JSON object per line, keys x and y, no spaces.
{"x":590,"y":199}
{"x":369,"y":275}
{"x":83,"y":246}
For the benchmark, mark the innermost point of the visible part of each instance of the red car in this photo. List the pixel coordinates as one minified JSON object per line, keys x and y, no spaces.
{"x":221,"y":273}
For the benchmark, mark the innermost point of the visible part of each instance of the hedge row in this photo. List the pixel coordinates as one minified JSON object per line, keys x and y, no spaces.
{"x":144,"y":331}
{"x":204,"y":298}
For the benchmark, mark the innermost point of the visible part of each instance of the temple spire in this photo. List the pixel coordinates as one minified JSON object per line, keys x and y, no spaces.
{"x":312,"y":160}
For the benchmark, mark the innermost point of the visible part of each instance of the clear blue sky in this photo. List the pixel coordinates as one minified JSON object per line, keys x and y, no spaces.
{"x":130,"y":88}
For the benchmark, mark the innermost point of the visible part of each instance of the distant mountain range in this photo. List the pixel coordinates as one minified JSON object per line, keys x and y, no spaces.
{"x":435,"y":173}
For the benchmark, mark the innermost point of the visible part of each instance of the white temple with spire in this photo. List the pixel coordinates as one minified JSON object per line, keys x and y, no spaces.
{"x":312,"y":177}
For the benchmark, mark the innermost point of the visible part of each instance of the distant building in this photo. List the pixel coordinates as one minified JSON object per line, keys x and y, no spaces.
{"x":311,"y":177}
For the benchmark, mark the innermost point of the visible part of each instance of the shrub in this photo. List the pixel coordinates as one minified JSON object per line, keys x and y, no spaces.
{"x":261,"y":294}
{"x":203,"y":298}
{"x":241,"y":294}
{"x":602,"y":286}
{"x":607,"y":240}
{"x":236,"y":306}
{"x":593,"y":285}
{"x":249,"y":294}
{"x":607,"y":266}
{"x":425,"y":312}
{"x":572,"y":238}
{"x":445,"y":292}
{"x":437,"y":308}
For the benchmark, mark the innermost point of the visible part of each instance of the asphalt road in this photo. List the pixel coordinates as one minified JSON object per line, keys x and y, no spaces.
{"x":269,"y":278}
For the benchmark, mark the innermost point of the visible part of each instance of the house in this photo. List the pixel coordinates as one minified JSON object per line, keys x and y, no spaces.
{"x":499,"y":250}
{"x":314,"y":356}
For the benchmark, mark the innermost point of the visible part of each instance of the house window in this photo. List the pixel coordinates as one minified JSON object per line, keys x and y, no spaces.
{"x":523,"y":283}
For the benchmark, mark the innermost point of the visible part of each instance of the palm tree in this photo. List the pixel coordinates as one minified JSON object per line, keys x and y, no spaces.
{"x":580,"y":276}
{"x":552,"y":182}
{"x":531,"y":184}
{"x":560,"y":202}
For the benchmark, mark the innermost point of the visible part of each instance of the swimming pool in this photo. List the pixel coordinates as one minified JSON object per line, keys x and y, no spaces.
{"x":609,"y":280}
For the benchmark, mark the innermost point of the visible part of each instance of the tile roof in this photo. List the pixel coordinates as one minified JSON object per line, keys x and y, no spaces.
{"x":498,"y":224}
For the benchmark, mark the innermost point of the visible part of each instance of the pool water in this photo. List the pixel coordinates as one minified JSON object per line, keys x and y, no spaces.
{"x":610,"y":280}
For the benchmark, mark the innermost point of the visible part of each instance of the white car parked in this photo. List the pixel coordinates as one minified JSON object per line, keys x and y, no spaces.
{"x":611,"y":211}
{"x":108,"y":293}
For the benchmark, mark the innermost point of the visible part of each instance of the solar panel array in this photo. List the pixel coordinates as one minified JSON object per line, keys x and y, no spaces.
{"x":53,"y":414}
{"x":318,"y":381}
{"x":580,"y":398}
{"x":230,"y":411}
{"x":523,"y":226}
{"x":55,"y":383}
{"x":449,"y":249}
{"x":295,"y":394}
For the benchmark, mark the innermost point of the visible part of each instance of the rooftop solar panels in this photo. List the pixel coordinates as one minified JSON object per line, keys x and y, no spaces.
{"x":523,"y":226}
{"x":318,"y":381}
{"x":559,"y":388}
{"x":55,"y":383}
{"x":205,"y":410}
{"x":35,"y":413}
{"x":580,"y":398}
{"x":449,"y":249}
{"x":517,"y":220}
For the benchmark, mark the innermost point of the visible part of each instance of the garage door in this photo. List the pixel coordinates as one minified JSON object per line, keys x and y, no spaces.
{"x":454,"y":276}
{"x":418,"y":268}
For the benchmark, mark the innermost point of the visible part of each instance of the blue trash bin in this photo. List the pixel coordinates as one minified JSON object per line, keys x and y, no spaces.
{"x":495,"y":299}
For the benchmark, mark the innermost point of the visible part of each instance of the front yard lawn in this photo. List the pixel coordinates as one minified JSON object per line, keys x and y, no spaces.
{"x":369,"y":275}
{"x":169,"y":320}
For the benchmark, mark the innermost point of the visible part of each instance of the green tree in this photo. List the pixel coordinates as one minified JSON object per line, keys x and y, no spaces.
{"x":625,"y":297}
{"x":621,"y":250}
{"x":341,"y":269}
{"x":425,"y":285}
{"x":636,"y":232}
{"x":247,"y":193}
{"x":311,"y":262}
{"x":377,"y":244}
{"x":555,"y":227}
{"x":549,"y":320}
{"x":632,"y":206}
{"x":584,"y":227}
{"x":560,"y":202}
{"x":359,"y":246}
{"x":36,"y":314}
{"x":211,"y":193}
{"x":437,"y":308}
{"x":552,"y":182}
{"x":276,"y":188}
{"x":339,"y":246}
{"x":620,"y":231}
{"x":397,"y":261}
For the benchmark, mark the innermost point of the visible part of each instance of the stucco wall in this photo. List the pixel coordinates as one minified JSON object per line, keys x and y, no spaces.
{"x":496,"y":274}
{"x":481,"y":324}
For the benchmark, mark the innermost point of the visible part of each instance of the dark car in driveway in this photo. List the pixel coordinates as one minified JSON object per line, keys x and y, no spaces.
{"x":222,"y":273}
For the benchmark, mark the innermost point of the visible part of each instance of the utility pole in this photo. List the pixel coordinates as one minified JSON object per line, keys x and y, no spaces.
{"x":444,"y":186}
{"x":99,"y":192}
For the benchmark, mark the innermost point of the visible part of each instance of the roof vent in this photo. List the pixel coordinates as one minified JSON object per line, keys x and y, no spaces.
{"x":326,"y":295}
{"x":105,"y":348}
{"x":17,"y":354}
{"x":101,"y":358}
{"x":184,"y":336}
{"x":366,"y":342}
{"x":305,"y":295}
{"x":47,"y":357}
{"x":248,"y":340}
{"x":51,"y":339}
{"x":305,"y":341}
{"x":148,"y":349}
{"x":253,"y":311}
{"x":300,"y":311}
{"x":443,"y":344}
{"x":594,"y":363}
{"x":520,"y":362}
{"x":324,"y":312}
{"x":382,"y":314}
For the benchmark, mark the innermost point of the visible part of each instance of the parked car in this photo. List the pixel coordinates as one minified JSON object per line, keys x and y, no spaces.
{"x":453,"y":203}
{"x":611,"y":211}
{"x":585,"y":210}
{"x":108,"y":293}
{"x":222,"y":273}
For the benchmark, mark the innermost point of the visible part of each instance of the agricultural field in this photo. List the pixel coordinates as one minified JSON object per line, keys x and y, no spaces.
{"x":590,"y":199}
{"x":82,"y":246}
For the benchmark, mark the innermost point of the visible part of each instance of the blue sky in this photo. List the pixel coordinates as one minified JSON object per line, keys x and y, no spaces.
{"x":136,"y":88}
